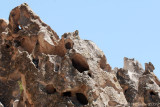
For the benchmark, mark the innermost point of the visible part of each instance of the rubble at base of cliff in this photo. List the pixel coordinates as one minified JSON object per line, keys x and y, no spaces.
{"x":37,"y":68}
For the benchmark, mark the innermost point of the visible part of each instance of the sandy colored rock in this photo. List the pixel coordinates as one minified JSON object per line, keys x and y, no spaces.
{"x":37,"y":68}
{"x":141,"y":87}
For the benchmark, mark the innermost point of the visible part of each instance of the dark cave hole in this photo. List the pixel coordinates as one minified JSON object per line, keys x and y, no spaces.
{"x":80,"y":63}
{"x":35,"y":61}
{"x":17,"y":43}
{"x":79,"y":67}
{"x":151,"y":82}
{"x":68,"y":45}
{"x":125,"y":91}
{"x":57,"y":67}
{"x":152,"y":93}
{"x":50,"y":89}
{"x":89,"y":74}
{"x":67,"y":94}
{"x":7,"y":46}
{"x":82,"y":98}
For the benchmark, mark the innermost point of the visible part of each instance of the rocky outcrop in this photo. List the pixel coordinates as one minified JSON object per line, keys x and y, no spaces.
{"x":37,"y":68}
{"x":141,"y":87}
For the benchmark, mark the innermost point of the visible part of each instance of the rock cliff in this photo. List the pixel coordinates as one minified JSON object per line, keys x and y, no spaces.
{"x":39,"y":69}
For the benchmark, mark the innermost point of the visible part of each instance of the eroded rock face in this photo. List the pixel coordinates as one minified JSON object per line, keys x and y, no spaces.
{"x":37,"y":68}
{"x":141,"y":87}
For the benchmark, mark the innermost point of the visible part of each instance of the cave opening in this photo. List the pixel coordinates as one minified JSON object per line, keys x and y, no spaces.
{"x":152,"y":93}
{"x":67,"y":94}
{"x":82,"y":98}
{"x":89,"y":74}
{"x":7,"y":46}
{"x":36,"y":62}
{"x":50,"y":89}
{"x":57,"y":67}
{"x":125,"y":91}
{"x":80,"y":63}
{"x":16,"y":29}
{"x":68,"y":45}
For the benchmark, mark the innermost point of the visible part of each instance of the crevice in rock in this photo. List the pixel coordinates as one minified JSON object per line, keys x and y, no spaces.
{"x":80,"y":63}
{"x":125,"y":91}
{"x":82,"y":98}
{"x":7,"y":46}
{"x":57,"y":67}
{"x":17,"y":43}
{"x":153,"y":95}
{"x":67,"y":94}
{"x":36,"y":62}
{"x":50,"y":89}
{"x":16,"y":29}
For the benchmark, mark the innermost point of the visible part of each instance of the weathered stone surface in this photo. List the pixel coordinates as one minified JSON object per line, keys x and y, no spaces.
{"x":37,"y":68}
{"x":141,"y":87}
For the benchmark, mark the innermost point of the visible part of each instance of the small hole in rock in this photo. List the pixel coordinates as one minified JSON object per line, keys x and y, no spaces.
{"x":7,"y":46}
{"x":35,"y":61}
{"x":89,"y":74}
{"x":17,"y":43}
{"x":151,"y":82}
{"x":50,"y":89}
{"x":82,"y":98}
{"x":68,"y":45}
{"x":125,"y":91}
{"x":80,"y":63}
{"x":16,"y":29}
{"x":37,"y":43}
{"x":152,"y":93}
{"x":57,"y":67}
{"x":67,"y":94}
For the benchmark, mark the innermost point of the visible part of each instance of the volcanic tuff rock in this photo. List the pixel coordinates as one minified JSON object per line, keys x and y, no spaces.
{"x":38,"y":69}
